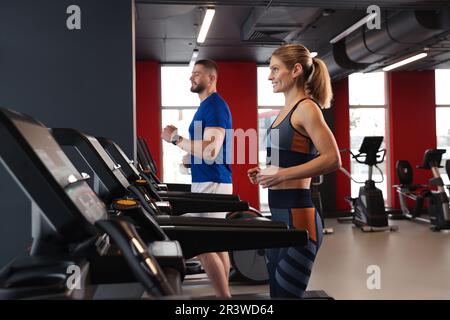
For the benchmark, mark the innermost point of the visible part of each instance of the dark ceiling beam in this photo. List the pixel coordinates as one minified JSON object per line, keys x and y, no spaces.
{"x":336,"y":4}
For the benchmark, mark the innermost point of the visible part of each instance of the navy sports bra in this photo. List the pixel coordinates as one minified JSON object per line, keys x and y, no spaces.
{"x":286,"y":146}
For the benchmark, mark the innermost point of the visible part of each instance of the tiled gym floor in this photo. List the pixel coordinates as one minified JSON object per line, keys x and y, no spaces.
{"x":414,"y":263}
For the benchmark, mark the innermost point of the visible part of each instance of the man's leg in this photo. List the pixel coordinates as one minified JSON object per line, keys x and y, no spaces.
{"x":214,"y":267}
{"x":225,"y":258}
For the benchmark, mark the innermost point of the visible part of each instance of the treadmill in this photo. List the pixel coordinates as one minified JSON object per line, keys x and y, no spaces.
{"x":147,"y":167}
{"x":121,"y":178}
{"x":132,"y":174}
{"x":190,"y":231}
{"x":247,"y":266}
{"x":45,"y":172}
{"x":113,"y":179}
{"x":72,"y":225}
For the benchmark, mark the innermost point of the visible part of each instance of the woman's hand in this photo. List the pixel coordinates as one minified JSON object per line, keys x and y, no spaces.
{"x":252,"y":174}
{"x":271,"y":176}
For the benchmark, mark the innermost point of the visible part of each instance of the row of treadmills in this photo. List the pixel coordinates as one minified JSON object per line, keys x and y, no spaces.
{"x":111,"y":219}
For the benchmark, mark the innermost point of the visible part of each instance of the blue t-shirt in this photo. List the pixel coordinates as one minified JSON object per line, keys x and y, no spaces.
{"x":213,"y":112}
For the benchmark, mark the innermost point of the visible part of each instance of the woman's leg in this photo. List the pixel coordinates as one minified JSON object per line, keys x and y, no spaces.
{"x":290,"y":268}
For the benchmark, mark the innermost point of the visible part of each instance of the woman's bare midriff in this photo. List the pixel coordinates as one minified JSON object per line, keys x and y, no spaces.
{"x":293,"y":184}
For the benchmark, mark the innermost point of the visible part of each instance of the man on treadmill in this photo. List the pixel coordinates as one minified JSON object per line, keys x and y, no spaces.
{"x":208,"y":150}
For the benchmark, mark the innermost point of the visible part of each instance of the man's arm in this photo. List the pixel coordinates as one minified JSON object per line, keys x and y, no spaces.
{"x":207,"y":149}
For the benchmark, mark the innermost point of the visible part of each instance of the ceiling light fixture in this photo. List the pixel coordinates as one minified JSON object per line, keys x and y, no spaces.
{"x":352,"y":28}
{"x":405,"y":61}
{"x":207,"y":20}
{"x":193,"y":58}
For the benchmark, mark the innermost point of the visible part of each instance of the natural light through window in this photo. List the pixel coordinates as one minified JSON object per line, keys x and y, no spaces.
{"x":175,"y":87}
{"x":174,"y":171}
{"x":442,"y":78}
{"x":179,"y":105}
{"x":367,"y":89}
{"x":266,"y":97}
{"x":367,"y":118}
{"x":269,"y":105}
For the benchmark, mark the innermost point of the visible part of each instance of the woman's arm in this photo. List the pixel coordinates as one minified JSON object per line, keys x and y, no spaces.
{"x":309,"y":117}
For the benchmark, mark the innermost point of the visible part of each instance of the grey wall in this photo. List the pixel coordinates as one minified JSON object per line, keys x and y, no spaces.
{"x":65,"y":78}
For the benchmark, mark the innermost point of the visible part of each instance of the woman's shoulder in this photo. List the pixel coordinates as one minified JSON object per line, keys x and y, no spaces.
{"x":308,"y":107}
{"x":308,"y":111}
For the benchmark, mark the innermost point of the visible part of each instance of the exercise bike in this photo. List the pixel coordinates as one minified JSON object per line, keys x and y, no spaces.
{"x":368,"y":210}
{"x":438,"y":203}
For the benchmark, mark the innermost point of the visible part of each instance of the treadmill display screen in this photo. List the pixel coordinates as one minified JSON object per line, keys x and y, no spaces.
{"x":62,"y":170}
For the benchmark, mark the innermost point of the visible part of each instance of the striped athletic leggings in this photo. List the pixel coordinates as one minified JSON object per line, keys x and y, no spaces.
{"x":290,"y":268}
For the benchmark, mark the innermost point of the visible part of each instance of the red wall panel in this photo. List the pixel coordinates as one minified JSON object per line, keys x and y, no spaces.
{"x":412,"y":121}
{"x":237,"y":84}
{"x":342,"y":134}
{"x":148,"y":107}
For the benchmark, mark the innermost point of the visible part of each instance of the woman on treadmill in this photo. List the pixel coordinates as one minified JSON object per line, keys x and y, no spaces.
{"x":300,"y":146}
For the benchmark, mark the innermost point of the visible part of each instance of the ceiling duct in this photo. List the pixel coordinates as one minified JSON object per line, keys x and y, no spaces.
{"x":398,"y":35}
{"x":275,"y":25}
{"x":403,"y":31}
{"x":343,"y":60}
{"x":255,"y":30}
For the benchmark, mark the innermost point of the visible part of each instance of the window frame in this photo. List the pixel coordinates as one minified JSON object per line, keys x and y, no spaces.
{"x":438,"y":105}
{"x":260,"y":107}
{"x":387,"y":177}
{"x":447,"y":154}
{"x":161,"y":66}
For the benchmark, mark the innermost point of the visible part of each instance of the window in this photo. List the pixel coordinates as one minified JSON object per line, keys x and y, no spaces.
{"x":367,"y":89}
{"x":175,"y":87}
{"x":265,"y":119}
{"x":174,"y":171}
{"x":179,"y":105}
{"x":442,"y":78}
{"x":367,"y":118}
{"x":266,"y":97}
{"x":269,"y":105}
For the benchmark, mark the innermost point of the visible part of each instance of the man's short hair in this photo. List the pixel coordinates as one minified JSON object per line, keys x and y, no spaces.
{"x":208,"y":64}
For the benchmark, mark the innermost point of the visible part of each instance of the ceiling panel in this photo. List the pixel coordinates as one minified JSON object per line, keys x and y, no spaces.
{"x":341,"y":4}
{"x":166,"y":31}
